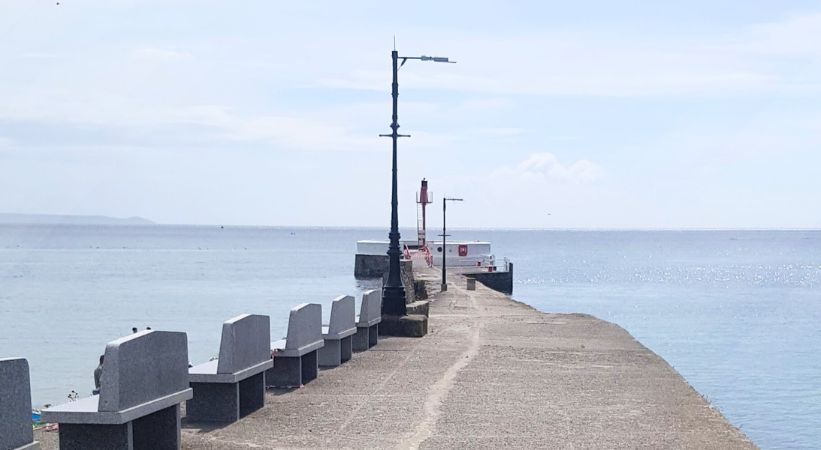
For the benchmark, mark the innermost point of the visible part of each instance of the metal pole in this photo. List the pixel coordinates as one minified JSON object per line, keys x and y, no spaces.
{"x":444,"y":245}
{"x":393,"y":294}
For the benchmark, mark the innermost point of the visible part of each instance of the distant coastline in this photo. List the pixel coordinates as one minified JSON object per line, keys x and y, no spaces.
{"x":53,"y":219}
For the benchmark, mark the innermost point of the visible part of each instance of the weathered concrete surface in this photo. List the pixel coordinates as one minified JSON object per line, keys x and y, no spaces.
{"x":490,"y":373}
{"x":420,"y":307}
{"x":410,"y":325}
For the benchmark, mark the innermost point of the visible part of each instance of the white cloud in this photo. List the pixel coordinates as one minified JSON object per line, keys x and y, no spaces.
{"x":546,"y":167}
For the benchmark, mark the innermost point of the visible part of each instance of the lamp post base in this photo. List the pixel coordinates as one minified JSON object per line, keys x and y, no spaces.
{"x":393,"y":301}
{"x":411,"y":325}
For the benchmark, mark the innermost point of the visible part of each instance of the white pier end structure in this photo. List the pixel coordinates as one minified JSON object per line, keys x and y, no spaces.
{"x":462,"y":254}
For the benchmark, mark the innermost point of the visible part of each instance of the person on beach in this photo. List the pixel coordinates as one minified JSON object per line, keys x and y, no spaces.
{"x":98,"y":372}
{"x":133,"y":329}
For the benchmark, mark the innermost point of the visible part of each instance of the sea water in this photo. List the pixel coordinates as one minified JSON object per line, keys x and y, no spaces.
{"x":735,"y":312}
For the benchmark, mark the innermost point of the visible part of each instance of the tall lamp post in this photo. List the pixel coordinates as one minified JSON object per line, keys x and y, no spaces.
{"x":444,"y":240}
{"x":393,"y":294}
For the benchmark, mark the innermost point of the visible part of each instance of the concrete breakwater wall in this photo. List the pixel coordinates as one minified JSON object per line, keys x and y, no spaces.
{"x":376,"y":266}
{"x":414,"y":290}
{"x":369,"y":266}
{"x":498,"y":281}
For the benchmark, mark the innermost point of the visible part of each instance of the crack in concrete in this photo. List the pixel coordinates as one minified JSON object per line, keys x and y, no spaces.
{"x":440,"y":390}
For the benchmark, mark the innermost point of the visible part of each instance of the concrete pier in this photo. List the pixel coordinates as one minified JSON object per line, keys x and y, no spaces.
{"x":491,"y":372}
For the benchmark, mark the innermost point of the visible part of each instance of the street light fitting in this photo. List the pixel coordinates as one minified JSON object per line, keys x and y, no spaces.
{"x":437,"y":59}
{"x":442,"y":59}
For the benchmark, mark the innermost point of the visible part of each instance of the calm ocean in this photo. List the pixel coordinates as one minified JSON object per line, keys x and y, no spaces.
{"x":737,"y":313}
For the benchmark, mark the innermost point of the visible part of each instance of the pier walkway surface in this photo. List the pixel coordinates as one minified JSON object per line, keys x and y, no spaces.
{"x":491,"y":373}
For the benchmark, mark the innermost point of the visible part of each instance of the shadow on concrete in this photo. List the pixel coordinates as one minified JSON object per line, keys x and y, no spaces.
{"x":280,"y":391}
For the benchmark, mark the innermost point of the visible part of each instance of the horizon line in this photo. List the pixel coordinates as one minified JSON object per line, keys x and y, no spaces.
{"x":385,"y":228}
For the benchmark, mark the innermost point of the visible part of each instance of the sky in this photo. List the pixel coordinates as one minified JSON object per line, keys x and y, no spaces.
{"x":585,"y":114}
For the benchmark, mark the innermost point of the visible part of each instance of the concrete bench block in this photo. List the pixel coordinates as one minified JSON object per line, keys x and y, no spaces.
{"x":367,"y":322}
{"x":15,"y":406}
{"x":244,"y":343}
{"x":226,"y":402}
{"x":370,"y":309}
{"x":233,"y":385}
{"x":144,"y":380}
{"x":295,"y":358}
{"x":338,"y":333}
{"x":336,"y":351}
{"x":159,"y":430}
{"x":293,"y":371}
{"x":304,"y":331}
{"x":365,"y":338}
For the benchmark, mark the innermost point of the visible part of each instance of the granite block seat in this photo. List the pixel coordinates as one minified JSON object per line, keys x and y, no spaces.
{"x":15,"y":406}
{"x":338,"y":333}
{"x":367,"y":321}
{"x":233,"y":386}
{"x":295,"y":357}
{"x":143,"y":382}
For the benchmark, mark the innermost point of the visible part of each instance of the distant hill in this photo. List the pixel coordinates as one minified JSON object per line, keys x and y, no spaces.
{"x":7,"y":218}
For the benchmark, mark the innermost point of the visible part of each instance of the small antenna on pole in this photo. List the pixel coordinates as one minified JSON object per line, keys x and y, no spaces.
{"x":394,"y":42}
